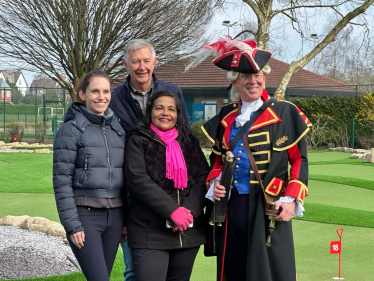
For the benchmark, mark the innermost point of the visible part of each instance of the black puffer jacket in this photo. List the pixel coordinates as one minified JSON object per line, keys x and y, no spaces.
{"x":154,"y":197}
{"x":87,"y":161}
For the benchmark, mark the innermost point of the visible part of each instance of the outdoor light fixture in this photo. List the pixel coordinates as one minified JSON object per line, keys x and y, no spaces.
{"x":227,"y":23}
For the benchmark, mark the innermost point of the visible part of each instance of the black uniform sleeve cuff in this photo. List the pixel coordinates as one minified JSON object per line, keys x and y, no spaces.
{"x":75,"y":230}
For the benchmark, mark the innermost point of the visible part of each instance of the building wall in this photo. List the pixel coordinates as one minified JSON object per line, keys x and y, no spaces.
{"x":8,"y":95}
{"x":21,"y":85}
{"x":220,"y":102}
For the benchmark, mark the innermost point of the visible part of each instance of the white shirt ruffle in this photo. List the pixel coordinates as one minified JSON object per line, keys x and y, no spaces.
{"x":246,"y":111}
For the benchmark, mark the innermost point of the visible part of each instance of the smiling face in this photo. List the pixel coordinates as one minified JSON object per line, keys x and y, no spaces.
{"x":164,"y":113}
{"x":97,"y":95}
{"x":250,"y":86}
{"x":140,"y":65}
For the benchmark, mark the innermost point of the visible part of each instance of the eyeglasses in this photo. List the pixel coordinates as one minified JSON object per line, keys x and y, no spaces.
{"x":248,"y":77}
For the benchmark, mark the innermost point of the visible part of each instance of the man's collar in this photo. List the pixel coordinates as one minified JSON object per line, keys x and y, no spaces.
{"x":135,"y":91}
{"x":128,"y":82}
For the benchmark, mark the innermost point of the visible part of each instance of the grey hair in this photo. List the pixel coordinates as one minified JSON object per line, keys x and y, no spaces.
{"x":136,"y":44}
{"x":233,"y":76}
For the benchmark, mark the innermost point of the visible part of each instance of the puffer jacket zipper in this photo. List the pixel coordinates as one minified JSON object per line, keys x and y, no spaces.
{"x":108,"y":157}
{"x":85,"y":168}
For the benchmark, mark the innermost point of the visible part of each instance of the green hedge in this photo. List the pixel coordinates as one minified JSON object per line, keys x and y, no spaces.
{"x":357,"y":107}
{"x":333,"y":116}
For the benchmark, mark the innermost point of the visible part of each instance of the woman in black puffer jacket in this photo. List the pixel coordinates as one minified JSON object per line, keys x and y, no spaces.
{"x":165,"y":222}
{"x":88,"y":177}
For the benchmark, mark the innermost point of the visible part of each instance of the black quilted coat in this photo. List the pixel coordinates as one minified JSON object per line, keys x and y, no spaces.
{"x":154,"y":197}
{"x":87,"y":161}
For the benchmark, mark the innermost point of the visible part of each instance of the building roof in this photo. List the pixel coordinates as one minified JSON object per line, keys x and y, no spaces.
{"x":4,"y":84}
{"x":44,"y":83}
{"x":12,"y":76}
{"x":16,"y":75}
{"x":207,"y":75}
{"x":8,"y":75}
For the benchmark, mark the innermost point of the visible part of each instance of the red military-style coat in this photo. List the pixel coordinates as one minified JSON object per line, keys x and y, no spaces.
{"x":275,"y":139}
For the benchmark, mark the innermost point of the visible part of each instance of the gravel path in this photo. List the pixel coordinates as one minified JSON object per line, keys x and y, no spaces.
{"x":27,"y":254}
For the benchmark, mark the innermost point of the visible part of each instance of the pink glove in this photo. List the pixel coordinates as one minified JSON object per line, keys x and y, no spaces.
{"x":182,"y":217}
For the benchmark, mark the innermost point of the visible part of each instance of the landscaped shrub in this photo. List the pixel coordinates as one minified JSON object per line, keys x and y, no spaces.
{"x":40,"y":131}
{"x":197,"y":132}
{"x":15,"y":130}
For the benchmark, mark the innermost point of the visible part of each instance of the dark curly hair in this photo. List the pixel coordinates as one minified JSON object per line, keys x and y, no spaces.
{"x":180,"y":125}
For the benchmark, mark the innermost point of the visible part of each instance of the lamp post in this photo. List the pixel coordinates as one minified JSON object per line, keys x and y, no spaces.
{"x":227,"y":23}
{"x":315,"y":37}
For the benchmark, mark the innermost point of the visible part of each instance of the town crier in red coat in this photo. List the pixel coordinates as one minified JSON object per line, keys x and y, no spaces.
{"x":276,"y":139}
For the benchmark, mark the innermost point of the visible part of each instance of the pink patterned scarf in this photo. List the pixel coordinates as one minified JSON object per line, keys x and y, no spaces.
{"x":175,"y":164}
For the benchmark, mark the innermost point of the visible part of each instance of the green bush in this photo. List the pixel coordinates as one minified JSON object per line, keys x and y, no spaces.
{"x":197,"y":132}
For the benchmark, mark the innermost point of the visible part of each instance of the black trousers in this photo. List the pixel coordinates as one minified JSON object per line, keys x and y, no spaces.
{"x":163,"y":265}
{"x":237,"y":237}
{"x":102,"y":229}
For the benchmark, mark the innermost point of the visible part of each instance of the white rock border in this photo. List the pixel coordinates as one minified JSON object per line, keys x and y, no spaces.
{"x":40,"y":224}
{"x":368,"y":155}
{"x":17,"y":147}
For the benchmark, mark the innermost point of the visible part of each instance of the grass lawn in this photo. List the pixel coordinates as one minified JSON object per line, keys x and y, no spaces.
{"x":29,"y":172}
{"x":26,"y":189}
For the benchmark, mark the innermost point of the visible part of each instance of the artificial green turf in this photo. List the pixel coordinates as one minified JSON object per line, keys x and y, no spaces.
{"x":314,"y":261}
{"x":337,"y":215}
{"x":369,"y":184}
{"x":343,"y":170}
{"x":317,"y":156}
{"x":31,"y":204}
{"x":331,"y":203}
{"x":26,"y":173}
{"x":340,"y":195}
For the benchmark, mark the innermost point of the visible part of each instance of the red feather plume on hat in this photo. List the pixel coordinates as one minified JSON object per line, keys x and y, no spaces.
{"x":222,"y":46}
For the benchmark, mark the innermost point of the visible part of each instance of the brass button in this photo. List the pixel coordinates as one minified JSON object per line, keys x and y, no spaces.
{"x":273,"y":187}
{"x":235,"y":182}
{"x":239,"y":151}
{"x":241,"y":144}
{"x":237,"y":126}
{"x":236,"y":166}
{"x":234,"y":105}
{"x":238,"y":159}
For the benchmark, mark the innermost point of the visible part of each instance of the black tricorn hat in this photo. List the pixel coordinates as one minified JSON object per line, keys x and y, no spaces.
{"x":242,"y":61}
{"x":235,"y":55}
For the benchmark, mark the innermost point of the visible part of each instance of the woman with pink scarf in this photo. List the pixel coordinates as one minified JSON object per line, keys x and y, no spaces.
{"x":165,"y":172}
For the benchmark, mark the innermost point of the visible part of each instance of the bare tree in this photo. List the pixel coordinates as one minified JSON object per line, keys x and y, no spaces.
{"x":296,"y":12}
{"x":72,"y":37}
